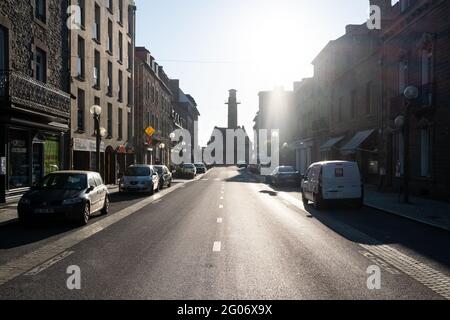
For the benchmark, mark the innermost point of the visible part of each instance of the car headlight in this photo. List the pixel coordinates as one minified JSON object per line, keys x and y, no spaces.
{"x":24,"y":200}
{"x":72,"y":201}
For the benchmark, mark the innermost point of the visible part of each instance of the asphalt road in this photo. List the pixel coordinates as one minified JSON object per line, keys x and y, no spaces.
{"x":226,"y":236}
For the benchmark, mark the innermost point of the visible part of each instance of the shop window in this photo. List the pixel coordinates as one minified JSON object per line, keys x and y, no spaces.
{"x":51,"y":155}
{"x":19,"y":159}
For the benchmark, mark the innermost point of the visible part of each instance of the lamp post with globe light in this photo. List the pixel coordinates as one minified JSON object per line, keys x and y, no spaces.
{"x":99,"y":133}
{"x":402,"y":122}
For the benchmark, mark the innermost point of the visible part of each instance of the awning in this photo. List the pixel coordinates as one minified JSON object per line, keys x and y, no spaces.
{"x":331,"y":143}
{"x":356,"y":141}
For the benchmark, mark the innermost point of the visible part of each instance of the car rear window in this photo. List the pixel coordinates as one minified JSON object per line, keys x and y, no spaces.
{"x":286,"y":169}
{"x":137,"y":171}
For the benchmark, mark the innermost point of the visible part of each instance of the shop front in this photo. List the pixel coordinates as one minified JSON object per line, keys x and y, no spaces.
{"x":31,"y":154}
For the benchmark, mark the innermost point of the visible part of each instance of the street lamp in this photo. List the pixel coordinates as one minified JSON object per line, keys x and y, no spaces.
{"x":96,"y":112}
{"x":411,"y":93}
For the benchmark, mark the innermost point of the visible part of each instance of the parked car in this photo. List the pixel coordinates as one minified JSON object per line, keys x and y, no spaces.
{"x":254,"y":168}
{"x":332,"y":181}
{"x":285,"y":175}
{"x":71,"y":195}
{"x":188,"y":170}
{"x":165,"y":176}
{"x":200,"y":167}
{"x":140,"y":178}
{"x":242,"y":164}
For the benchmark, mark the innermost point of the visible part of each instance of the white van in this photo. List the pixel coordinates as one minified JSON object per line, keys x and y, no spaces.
{"x":332,"y":180}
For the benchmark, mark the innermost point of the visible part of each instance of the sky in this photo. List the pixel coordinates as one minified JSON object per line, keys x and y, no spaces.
{"x":248,"y":45}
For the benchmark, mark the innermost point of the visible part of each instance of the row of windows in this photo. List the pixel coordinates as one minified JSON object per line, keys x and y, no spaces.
{"x":110,"y":6}
{"x":81,"y":116}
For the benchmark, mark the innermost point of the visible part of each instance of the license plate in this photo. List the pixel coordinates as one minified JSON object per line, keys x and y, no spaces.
{"x":44,"y":211}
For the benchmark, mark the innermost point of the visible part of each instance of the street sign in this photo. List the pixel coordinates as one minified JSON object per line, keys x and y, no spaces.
{"x":149,"y":131}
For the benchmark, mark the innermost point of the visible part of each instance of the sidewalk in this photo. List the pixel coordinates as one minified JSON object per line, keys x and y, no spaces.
{"x":431,"y":212}
{"x":8,"y":212}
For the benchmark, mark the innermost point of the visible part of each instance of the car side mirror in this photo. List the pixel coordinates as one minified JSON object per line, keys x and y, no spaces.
{"x":90,"y":189}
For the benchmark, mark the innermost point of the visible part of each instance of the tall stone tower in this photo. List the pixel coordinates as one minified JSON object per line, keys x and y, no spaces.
{"x":232,"y":110}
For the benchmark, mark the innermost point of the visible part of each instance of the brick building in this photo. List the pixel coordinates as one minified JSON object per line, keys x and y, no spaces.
{"x":34,"y":99}
{"x":102,"y":73}
{"x":416,"y":52}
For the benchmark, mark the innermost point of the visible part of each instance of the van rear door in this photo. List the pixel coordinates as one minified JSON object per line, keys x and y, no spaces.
{"x":341,"y":181}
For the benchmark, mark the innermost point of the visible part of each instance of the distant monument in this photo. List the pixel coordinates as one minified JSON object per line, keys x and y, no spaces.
{"x":232,"y":110}
{"x":233,"y":125}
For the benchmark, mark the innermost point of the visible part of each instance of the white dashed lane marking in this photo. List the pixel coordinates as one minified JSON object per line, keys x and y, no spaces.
{"x":221,"y":206}
{"x":217,"y":246}
{"x":219,"y":220}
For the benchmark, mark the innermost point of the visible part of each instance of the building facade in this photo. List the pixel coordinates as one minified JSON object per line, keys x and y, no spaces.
{"x":185,"y":114}
{"x":416,"y":53}
{"x":153,"y":110}
{"x":102,"y":43}
{"x":34,"y":98}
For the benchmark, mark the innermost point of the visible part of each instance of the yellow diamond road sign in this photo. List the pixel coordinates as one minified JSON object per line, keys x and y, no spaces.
{"x":149,"y":131}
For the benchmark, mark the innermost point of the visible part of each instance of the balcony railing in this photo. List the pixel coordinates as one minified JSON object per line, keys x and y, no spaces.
{"x":30,"y":94}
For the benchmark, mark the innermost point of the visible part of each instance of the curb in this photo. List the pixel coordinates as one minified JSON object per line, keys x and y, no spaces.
{"x":431,"y":224}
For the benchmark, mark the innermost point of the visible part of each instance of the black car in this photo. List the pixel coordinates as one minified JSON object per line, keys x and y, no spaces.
{"x":285,"y":175}
{"x":201,"y":168}
{"x":165,"y":176}
{"x":68,"y":195}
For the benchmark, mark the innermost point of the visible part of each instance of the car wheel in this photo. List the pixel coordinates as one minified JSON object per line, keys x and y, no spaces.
{"x":304,"y":200}
{"x":86,"y":213}
{"x":105,"y":209}
{"x":170,"y":184}
{"x":152,"y":191}
{"x":318,"y":203}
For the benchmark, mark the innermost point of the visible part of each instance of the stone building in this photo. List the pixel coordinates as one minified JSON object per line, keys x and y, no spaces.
{"x":34,"y":99}
{"x":102,"y":41}
{"x":153,"y":110}
{"x":185,"y":114}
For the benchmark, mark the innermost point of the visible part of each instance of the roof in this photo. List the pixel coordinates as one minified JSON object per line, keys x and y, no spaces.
{"x":72,"y":172}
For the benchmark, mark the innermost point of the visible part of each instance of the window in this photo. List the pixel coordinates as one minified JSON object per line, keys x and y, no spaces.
{"x":19,"y":159}
{"x":425,"y":152}
{"x":130,"y":92}
{"x":96,"y":25}
{"x":3,"y":48}
{"x":402,"y":76}
{"x":120,"y":98}
{"x":404,"y":5}
{"x":130,"y":56}
{"x":81,"y":58}
{"x":120,"y":47}
{"x":80,"y":110}
{"x":130,"y":126}
{"x":41,"y":65}
{"x":109,"y":5}
{"x":109,"y":45}
{"x":110,"y":79}
{"x":120,"y":122}
{"x":399,"y":154}
{"x":96,"y":69}
{"x":82,"y":12}
{"x":427,"y":75}
{"x":41,"y":10}
{"x":120,"y":11}
{"x":353,"y":111}
{"x":130,"y":21}
{"x":369,"y":98}
{"x":110,"y":120}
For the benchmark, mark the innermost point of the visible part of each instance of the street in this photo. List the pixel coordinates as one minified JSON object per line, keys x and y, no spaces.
{"x":225,"y":235}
